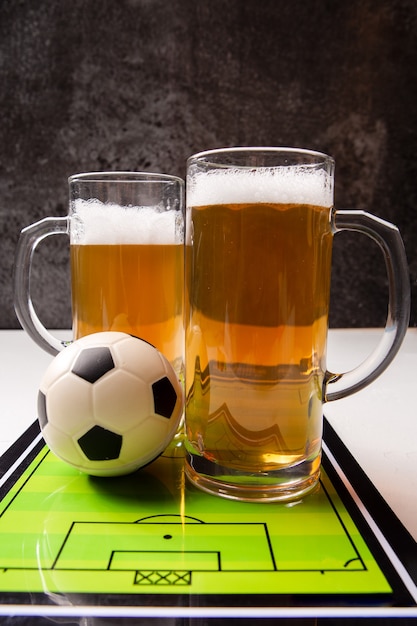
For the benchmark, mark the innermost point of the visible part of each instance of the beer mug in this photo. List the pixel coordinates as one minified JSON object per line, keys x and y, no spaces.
{"x":126,"y":233}
{"x":259,"y":229}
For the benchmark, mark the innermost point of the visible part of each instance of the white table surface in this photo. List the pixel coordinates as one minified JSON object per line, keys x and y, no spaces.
{"x":377,"y":424}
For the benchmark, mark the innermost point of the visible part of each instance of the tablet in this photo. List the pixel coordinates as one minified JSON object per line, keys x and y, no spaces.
{"x":152,"y":546}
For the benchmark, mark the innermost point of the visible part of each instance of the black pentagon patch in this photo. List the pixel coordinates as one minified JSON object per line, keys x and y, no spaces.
{"x":165,"y":397}
{"x":100,"y":444}
{"x":42,"y":414}
{"x":93,"y":363}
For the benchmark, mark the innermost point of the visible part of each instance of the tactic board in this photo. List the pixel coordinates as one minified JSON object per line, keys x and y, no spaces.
{"x":152,"y":545}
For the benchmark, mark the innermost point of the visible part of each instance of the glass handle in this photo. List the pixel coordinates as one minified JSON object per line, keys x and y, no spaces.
{"x":388,"y":237}
{"x":30,"y":237}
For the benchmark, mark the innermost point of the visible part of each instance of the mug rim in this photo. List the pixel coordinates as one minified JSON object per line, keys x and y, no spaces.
{"x":125,"y":176}
{"x":320,"y":156}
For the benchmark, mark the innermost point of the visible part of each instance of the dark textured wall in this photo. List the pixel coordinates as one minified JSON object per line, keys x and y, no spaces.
{"x":142,"y":84}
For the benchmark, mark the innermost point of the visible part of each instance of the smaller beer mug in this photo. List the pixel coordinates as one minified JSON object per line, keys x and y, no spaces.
{"x":126,"y":232}
{"x":259,"y":229}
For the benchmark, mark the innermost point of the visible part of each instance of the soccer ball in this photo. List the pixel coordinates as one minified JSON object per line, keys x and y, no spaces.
{"x":109,"y":403}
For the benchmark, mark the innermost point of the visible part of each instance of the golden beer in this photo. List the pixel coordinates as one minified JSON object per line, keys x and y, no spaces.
{"x":136,"y":289}
{"x":256,"y":335}
{"x":127,"y":273}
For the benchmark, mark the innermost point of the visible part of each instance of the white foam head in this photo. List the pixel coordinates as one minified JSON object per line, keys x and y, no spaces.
{"x":278,"y":185}
{"x":93,"y":222}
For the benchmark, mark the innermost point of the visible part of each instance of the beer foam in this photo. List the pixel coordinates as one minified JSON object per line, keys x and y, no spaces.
{"x":94,"y":222}
{"x":273,"y":185}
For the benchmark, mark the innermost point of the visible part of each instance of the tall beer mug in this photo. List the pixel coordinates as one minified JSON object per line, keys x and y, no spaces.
{"x":126,"y":233}
{"x":259,"y":230}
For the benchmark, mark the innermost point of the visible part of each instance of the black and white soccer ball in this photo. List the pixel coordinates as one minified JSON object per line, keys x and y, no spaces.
{"x":109,"y":403}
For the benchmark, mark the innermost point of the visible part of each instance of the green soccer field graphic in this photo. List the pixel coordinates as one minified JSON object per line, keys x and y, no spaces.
{"x":64,"y":532}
